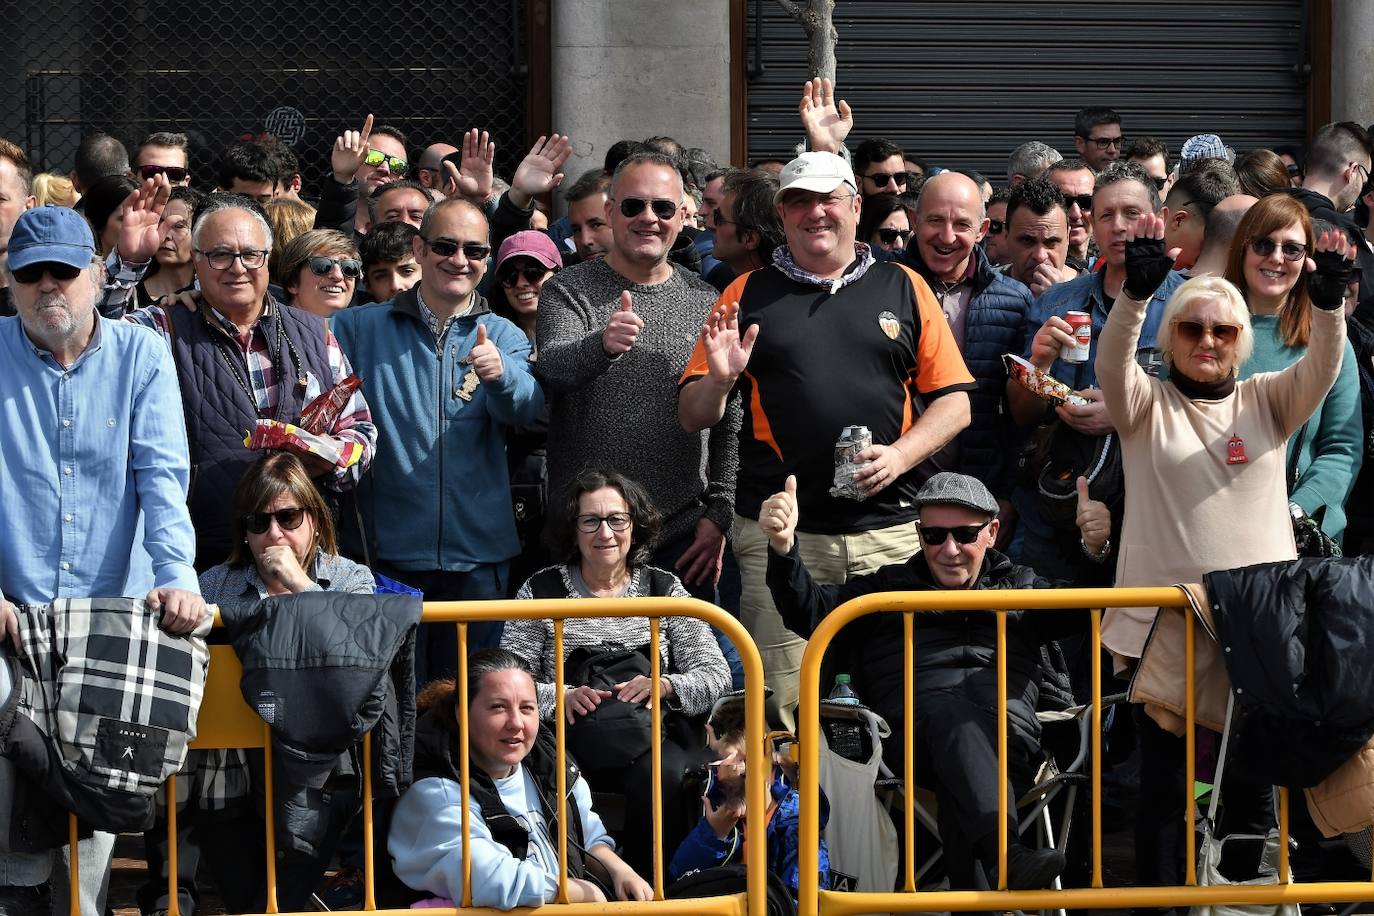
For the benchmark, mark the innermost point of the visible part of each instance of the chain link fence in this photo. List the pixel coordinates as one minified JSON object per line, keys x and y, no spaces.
{"x":221,"y":70}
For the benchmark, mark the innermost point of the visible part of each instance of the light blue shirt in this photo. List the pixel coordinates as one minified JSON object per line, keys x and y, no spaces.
{"x":93,"y":469}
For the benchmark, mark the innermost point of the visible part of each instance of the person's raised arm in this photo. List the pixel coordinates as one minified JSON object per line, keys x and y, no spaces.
{"x":721,"y":355}
{"x":473,"y":178}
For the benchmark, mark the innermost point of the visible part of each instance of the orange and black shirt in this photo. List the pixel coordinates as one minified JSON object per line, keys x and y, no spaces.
{"x":860,"y":356}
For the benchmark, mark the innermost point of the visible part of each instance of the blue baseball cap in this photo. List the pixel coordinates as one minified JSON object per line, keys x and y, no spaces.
{"x":51,"y":234}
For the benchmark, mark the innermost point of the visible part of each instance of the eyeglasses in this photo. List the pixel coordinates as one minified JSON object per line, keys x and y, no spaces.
{"x":220,"y":259}
{"x":890,"y":236}
{"x":719,"y":217}
{"x":880,"y":179}
{"x":447,"y":248}
{"x":1192,"y":331}
{"x":321,"y":266}
{"x":663,"y":208}
{"x":34,"y":272}
{"x":1106,"y":142}
{"x":1084,"y":201}
{"x":531,"y":274}
{"x":173,"y":173}
{"x":1160,"y":181}
{"x":286,"y":519}
{"x":1292,"y":251}
{"x":805,"y":200}
{"x":996,"y":226}
{"x":590,"y":524}
{"x":376,"y":157}
{"x":963,"y":534}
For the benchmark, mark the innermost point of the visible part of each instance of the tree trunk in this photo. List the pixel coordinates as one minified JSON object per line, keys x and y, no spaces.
{"x":817,"y":20}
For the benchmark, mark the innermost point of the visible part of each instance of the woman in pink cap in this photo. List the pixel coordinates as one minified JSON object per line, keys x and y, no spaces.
{"x":525,"y":261}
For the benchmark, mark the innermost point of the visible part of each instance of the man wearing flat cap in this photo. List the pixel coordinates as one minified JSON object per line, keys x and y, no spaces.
{"x":956,"y":663}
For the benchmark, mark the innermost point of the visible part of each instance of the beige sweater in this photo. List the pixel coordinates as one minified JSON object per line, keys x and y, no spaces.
{"x":1187,"y":511}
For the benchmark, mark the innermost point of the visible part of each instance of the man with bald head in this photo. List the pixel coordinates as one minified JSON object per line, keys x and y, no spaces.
{"x":986,"y":311}
{"x":1221,"y":229}
{"x":430,"y":170}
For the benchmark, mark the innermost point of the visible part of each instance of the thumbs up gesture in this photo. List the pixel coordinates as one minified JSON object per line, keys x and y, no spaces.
{"x":622,"y":330}
{"x":778,"y":517}
{"x":485,"y":357}
{"x":1094,"y":521}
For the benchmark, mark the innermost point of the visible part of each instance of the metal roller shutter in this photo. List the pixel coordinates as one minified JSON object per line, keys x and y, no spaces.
{"x":962,"y":84}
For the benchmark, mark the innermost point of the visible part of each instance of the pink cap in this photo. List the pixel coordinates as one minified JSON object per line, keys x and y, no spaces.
{"x":532,"y":244}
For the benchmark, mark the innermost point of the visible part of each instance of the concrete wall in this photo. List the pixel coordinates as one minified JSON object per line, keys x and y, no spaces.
{"x":1352,"y":61}
{"x":640,"y":68}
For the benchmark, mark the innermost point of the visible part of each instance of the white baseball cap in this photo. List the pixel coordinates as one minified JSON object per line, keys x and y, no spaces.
{"x":815,"y":171}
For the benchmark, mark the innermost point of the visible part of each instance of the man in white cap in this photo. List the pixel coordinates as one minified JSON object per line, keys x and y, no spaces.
{"x":823,"y":339}
{"x":955,"y":662}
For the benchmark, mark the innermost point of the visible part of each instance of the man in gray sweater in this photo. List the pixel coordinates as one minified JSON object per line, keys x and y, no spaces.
{"x":614,"y":337}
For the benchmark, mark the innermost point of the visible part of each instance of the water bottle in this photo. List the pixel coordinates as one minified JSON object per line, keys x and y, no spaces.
{"x":843,"y":693}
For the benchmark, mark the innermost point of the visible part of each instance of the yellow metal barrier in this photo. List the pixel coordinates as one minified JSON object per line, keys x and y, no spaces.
{"x":227,"y":721}
{"x":823,"y":902}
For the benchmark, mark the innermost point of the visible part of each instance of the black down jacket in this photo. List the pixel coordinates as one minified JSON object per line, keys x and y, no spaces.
{"x":1298,"y":640}
{"x":323,"y":669}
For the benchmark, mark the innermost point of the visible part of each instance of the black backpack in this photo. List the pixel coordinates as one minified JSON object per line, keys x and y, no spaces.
{"x":731,"y":879}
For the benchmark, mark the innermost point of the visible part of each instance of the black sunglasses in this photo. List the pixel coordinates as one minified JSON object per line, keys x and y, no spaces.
{"x":963,"y":534}
{"x":172,"y":172}
{"x":996,"y":226}
{"x":1160,"y":182}
{"x":880,"y":179}
{"x":663,"y":208}
{"x":320,"y":266}
{"x":34,"y":272}
{"x":531,"y":273}
{"x":287,"y":520}
{"x":1264,"y":247}
{"x":447,"y":248}
{"x":890,"y":236}
{"x":1084,"y":201}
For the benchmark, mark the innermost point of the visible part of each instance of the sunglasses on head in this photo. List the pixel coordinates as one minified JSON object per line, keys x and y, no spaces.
{"x":530,"y":273}
{"x":321,"y":266}
{"x":1084,"y":201}
{"x":172,"y":172}
{"x":286,"y":519}
{"x":376,"y":157}
{"x":1292,"y":251}
{"x":630,"y":207}
{"x":890,"y":236}
{"x":34,"y":272}
{"x":996,"y":226}
{"x":963,"y":534}
{"x":1192,"y":331}
{"x":880,"y":179}
{"x":447,"y":248}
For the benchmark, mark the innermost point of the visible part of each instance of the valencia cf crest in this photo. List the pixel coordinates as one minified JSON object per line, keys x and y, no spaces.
{"x":888,"y":322}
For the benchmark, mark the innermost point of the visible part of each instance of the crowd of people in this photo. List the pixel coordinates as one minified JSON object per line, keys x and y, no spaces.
{"x":771,"y":388}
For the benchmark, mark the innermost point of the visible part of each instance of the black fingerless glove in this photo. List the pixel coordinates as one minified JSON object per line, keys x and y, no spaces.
{"x":1146,"y":267}
{"x":1326,"y":285}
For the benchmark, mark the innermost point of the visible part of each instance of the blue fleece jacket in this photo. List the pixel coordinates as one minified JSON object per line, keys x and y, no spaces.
{"x":437,"y":496}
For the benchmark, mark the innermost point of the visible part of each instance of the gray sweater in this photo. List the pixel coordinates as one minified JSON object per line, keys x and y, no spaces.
{"x":621,"y":412}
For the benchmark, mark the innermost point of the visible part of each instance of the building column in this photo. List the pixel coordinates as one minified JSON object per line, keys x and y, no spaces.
{"x":631,"y":69}
{"x":1352,"y":61}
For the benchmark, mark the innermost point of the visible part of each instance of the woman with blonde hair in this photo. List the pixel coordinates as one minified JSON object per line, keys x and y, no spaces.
{"x":54,"y":189}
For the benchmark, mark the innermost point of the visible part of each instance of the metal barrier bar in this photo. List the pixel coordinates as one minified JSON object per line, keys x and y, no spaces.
{"x":560,"y":736}
{"x":270,"y":818}
{"x":369,"y":883}
{"x":1284,"y":876}
{"x":909,"y":750}
{"x":1002,"y":837}
{"x":74,"y":866}
{"x":170,"y":793}
{"x":1190,"y":751}
{"x":464,"y":764}
{"x":656,"y":751}
{"x":1096,"y":643}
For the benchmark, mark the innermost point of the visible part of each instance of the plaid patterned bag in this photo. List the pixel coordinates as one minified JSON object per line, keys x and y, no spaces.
{"x":117,"y":696}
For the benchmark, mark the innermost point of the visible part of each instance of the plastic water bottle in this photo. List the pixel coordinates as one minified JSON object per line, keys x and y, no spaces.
{"x":843,"y":693}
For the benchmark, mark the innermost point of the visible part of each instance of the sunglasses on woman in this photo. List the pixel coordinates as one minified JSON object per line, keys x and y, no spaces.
{"x":890,"y":236}
{"x":286,"y":519}
{"x":1292,"y":251}
{"x":1192,"y":331}
{"x":963,"y":534}
{"x":321,"y":266}
{"x":663,"y":208}
{"x":531,"y":274}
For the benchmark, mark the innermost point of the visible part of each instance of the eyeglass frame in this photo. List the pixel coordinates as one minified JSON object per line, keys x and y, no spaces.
{"x":395,"y":164}
{"x":252,"y":520}
{"x":905,"y":176}
{"x":1283,"y":248}
{"x":1103,"y":143}
{"x":623,"y":519}
{"x":228,"y":258}
{"x":947,"y":531}
{"x":344,"y":264}
{"x":472,"y":251}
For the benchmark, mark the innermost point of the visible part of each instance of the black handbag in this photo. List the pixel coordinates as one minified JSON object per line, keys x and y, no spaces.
{"x":1311,"y":540}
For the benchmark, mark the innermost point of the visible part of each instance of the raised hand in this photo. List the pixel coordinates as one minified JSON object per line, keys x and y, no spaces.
{"x":778,"y":516}
{"x":538,"y":173}
{"x":1330,"y":269}
{"x":727,"y":352}
{"x":1094,"y":520}
{"x":1147,"y":263}
{"x":141,"y":231}
{"x":825,"y":121}
{"x":485,"y":357}
{"x":350,"y":148}
{"x":622,"y":330}
{"x":473,"y":179}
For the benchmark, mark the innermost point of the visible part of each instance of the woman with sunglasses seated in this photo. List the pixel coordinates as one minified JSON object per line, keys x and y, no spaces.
{"x":605,"y":527}
{"x":319,"y":271}
{"x":884,"y":224}
{"x":1268,"y":253}
{"x":1205,"y":460}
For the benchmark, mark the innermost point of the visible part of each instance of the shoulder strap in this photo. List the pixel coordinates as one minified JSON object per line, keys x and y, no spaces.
{"x":1294,"y":455}
{"x":1221,"y":761}
{"x":660,"y":582}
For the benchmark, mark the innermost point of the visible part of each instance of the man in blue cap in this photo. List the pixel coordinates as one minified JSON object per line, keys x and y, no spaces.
{"x":94,"y":476}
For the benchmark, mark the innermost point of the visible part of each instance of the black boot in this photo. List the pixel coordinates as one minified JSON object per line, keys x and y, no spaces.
{"x":1031,"y":869}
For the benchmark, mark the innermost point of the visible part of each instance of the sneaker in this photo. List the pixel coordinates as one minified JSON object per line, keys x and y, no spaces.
{"x":343,"y":890}
{"x":25,"y":901}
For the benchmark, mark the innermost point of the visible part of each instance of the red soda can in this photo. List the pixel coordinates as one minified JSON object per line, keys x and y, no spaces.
{"x":1081,"y":324}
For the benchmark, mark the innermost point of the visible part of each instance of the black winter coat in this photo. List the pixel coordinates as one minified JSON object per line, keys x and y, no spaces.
{"x":1298,"y":641}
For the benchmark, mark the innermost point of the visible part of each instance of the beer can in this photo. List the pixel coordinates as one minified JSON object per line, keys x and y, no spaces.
{"x":1082,"y":330}
{"x":852,"y":441}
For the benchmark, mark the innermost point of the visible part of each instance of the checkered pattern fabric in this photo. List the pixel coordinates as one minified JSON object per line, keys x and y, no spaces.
{"x":117,"y":696}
